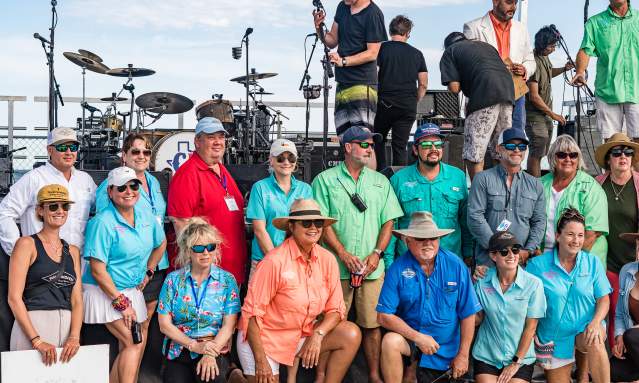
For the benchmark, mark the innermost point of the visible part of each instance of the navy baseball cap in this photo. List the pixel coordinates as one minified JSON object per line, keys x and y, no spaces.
{"x":359,"y":133}
{"x":209,"y":125}
{"x":501,"y":240}
{"x":427,"y":129}
{"x":513,"y":134}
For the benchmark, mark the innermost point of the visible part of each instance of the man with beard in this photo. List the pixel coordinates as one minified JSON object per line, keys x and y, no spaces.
{"x":434,"y":186}
{"x":511,"y":40}
{"x":364,"y":204}
{"x":507,"y":198}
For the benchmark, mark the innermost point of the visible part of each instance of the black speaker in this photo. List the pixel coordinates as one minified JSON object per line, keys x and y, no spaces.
{"x":439,"y":103}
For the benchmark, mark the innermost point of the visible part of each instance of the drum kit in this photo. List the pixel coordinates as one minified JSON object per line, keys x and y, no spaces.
{"x":101,"y":132}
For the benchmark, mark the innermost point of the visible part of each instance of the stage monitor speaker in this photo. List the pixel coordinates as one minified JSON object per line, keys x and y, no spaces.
{"x":5,"y":176}
{"x":439,"y":103}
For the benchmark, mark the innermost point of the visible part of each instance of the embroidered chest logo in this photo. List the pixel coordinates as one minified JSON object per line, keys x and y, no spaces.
{"x":408,"y":273}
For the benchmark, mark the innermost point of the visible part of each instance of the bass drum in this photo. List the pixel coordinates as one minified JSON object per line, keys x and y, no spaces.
{"x":220,"y":109}
{"x":172,"y":150}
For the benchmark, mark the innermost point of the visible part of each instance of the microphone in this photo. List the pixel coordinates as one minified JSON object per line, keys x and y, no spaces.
{"x":37,"y":36}
{"x":90,"y":108}
{"x":555,"y":31}
{"x":311,"y":34}
{"x":249,"y":30}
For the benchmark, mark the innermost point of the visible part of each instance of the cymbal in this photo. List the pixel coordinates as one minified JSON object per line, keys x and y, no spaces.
{"x":112,"y":98}
{"x":90,"y":55}
{"x":130,"y":72}
{"x":253,"y":77}
{"x":86,"y":62}
{"x":164,"y":102}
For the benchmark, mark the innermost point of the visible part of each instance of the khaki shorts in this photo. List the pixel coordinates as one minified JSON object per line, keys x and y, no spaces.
{"x":366,"y":297}
{"x":612,"y":118}
{"x":539,"y":132}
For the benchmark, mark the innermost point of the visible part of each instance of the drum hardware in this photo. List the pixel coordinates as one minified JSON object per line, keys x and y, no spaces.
{"x":130,"y":72}
{"x":113,"y":98}
{"x":253,"y":76}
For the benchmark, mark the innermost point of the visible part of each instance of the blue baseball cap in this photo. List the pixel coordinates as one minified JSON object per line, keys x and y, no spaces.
{"x":209,"y":125}
{"x":427,"y":129}
{"x":513,"y":134}
{"x":359,"y":133}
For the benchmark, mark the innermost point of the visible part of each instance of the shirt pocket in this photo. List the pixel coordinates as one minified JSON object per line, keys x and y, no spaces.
{"x":412,"y":201}
{"x":447,"y":304}
{"x":451,"y":204}
{"x":526,"y":205}
{"x":583,"y":287}
{"x":496,"y":200}
{"x":519,"y":308}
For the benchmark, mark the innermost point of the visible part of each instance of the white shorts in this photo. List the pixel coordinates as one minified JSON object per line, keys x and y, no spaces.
{"x":98,"y":309}
{"x":558,"y":363}
{"x":247,"y":360}
{"x":612,"y":118}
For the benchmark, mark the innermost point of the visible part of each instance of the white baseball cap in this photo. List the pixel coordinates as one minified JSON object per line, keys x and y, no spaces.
{"x":282,"y":145}
{"x":60,"y":135}
{"x":120,"y":176}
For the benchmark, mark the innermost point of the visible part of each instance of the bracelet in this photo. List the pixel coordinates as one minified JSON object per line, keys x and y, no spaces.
{"x":191,"y":344}
{"x":36,"y":344}
{"x":121,"y":303}
{"x":70,"y":337}
{"x":34,"y":338}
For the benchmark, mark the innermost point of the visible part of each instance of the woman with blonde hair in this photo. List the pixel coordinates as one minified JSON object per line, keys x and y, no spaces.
{"x":198,"y":308}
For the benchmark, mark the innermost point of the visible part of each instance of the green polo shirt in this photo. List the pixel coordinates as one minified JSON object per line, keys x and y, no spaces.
{"x":446,"y":197}
{"x":356,"y":230}
{"x":586,"y":195}
{"x":614,"y":40}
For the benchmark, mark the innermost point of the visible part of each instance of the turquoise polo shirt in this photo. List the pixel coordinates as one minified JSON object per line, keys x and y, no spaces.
{"x":505,"y":315}
{"x":124,"y":249}
{"x":151,"y":202}
{"x":268,"y":201}
{"x":569,"y":309}
{"x":433,"y":305}
{"x":445,"y":197}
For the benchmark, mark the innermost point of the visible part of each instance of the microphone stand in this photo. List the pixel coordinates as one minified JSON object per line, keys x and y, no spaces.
{"x":246,"y":85}
{"x":54,"y":87}
{"x":328,"y":73}
{"x":307,"y":78}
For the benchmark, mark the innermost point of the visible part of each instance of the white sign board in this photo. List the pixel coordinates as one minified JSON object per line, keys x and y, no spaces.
{"x":90,"y":364}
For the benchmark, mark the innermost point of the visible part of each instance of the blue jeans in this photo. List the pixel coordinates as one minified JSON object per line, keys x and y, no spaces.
{"x":519,"y":113}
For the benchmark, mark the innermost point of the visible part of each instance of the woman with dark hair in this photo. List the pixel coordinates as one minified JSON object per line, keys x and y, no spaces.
{"x":577,"y":291}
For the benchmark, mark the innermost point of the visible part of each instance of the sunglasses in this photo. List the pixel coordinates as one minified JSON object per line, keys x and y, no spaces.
{"x":291,"y":158}
{"x":146,"y":152}
{"x":512,"y":147}
{"x":306,"y":224}
{"x":504,"y":252}
{"x":564,"y":155}
{"x":64,"y":147}
{"x":424,"y":239}
{"x":431,"y":144}
{"x":134,"y":186}
{"x":55,"y":206}
{"x":199,"y":249}
{"x":617,"y":152}
{"x":364,"y":144}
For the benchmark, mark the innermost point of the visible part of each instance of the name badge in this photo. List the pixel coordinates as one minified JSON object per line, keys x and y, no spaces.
{"x":159,"y":219}
{"x":504,"y":225}
{"x":230,"y":203}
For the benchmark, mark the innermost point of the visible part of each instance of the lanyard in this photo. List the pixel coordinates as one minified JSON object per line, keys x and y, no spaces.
{"x":198,"y":301}
{"x":222,"y":181}
{"x":148,"y":185}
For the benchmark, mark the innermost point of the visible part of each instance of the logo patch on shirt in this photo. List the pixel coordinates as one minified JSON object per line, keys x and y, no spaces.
{"x":288,"y":274}
{"x":408,"y":273}
{"x":120,"y":229}
{"x":550,"y":274}
{"x":455,"y":188}
{"x":489,"y":290}
{"x":410,"y":184}
{"x":451,"y":283}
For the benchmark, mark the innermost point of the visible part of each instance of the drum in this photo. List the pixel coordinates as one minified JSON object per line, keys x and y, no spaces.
{"x":112,"y":123}
{"x":220,"y":109}
{"x":172,"y":150}
{"x":153,"y":136}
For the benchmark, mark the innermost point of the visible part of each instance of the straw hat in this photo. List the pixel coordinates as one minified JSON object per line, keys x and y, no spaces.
{"x":616,"y":139}
{"x":422,"y":226}
{"x":301,"y":210}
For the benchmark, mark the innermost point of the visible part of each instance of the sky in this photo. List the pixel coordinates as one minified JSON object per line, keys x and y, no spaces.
{"x":188,"y":43}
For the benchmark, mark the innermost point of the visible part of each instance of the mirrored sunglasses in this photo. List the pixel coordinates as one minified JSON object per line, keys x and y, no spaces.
{"x":64,"y":147}
{"x":364,"y":144}
{"x":522,"y":147}
{"x":431,"y":144}
{"x":200,"y":248}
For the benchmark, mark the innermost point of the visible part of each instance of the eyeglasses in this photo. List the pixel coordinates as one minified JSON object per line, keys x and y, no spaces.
{"x":199,"y":249}
{"x":617,"y":152}
{"x":364,"y":144}
{"x":146,"y":152}
{"x":64,"y":147}
{"x":431,"y":144}
{"x":55,"y":206}
{"x":564,"y":155}
{"x":306,"y":223}
{"x":512,"y":147}
{"x":291,"y":158}
{"x":134,"y":186}
{"x":504,"y":252}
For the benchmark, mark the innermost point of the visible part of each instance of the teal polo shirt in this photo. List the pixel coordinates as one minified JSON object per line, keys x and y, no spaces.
{"x":505,"y":315}
{"x":125,"y":249}
{"x":569,"y":309}
{"x":152,"y":203}
{"x":268,"y":201}
{"x":445,"y":197}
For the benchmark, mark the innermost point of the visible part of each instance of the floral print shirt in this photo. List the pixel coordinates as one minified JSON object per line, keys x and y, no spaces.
{"x":181,"y":295}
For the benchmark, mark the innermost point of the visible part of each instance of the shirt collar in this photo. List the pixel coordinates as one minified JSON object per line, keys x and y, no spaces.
{"x":558,"y":264}
{"x":342,"y":166}
{"x":628,"y":15}
{"x":632,"y":270}
{"x":503,"y":173}
{"x":55,"y":170}
{"x":443,"y":173}
{"x":497,"y":24}
{"x":214,"y":272}
{"x":138,"y":216}
{"x":416,"y":264}
{"x":296,"y":253}
{"x":201,"y":165}
{"x":277,"y":186}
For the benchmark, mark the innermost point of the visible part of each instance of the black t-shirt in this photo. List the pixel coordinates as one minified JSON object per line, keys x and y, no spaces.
{"x":483,"y":76}
{"x":353,"y":33}
{"x":399,"y":63}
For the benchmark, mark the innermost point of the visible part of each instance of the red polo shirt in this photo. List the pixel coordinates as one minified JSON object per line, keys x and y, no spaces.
{"x":196,"y":191}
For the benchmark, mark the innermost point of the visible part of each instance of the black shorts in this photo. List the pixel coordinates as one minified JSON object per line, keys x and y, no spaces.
{"x":525,"y":372}
{"x":152,"y":289}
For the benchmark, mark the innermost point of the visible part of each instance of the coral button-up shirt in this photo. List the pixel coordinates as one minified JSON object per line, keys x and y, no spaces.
{"x":287,"y":293}
{"x":502,"y":34}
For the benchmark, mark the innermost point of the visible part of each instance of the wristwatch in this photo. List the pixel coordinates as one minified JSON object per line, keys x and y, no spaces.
{"x":515,"y":359}
{"x":320,"y":332}
{"x":343,"y":61}
{"x":149,"y":273}
{"x":379,"y":252}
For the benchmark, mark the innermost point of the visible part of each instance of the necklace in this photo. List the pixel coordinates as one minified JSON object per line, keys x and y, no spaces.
{"x":614,"y":190}
{"x":56,"y":249}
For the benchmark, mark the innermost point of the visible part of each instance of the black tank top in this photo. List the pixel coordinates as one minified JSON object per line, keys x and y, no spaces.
{"x":49,"y":284}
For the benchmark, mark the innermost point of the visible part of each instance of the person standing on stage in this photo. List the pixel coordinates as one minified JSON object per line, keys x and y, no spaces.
{"x":613,"y":37}
{"x":475,"y":68}
{"x":539,"y":114}
{"x":510,"y":38}
{"x":403,"y":79}
{"x":363,"y":202}
{"x":203,"y":187}
{"x":357,"y":32}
